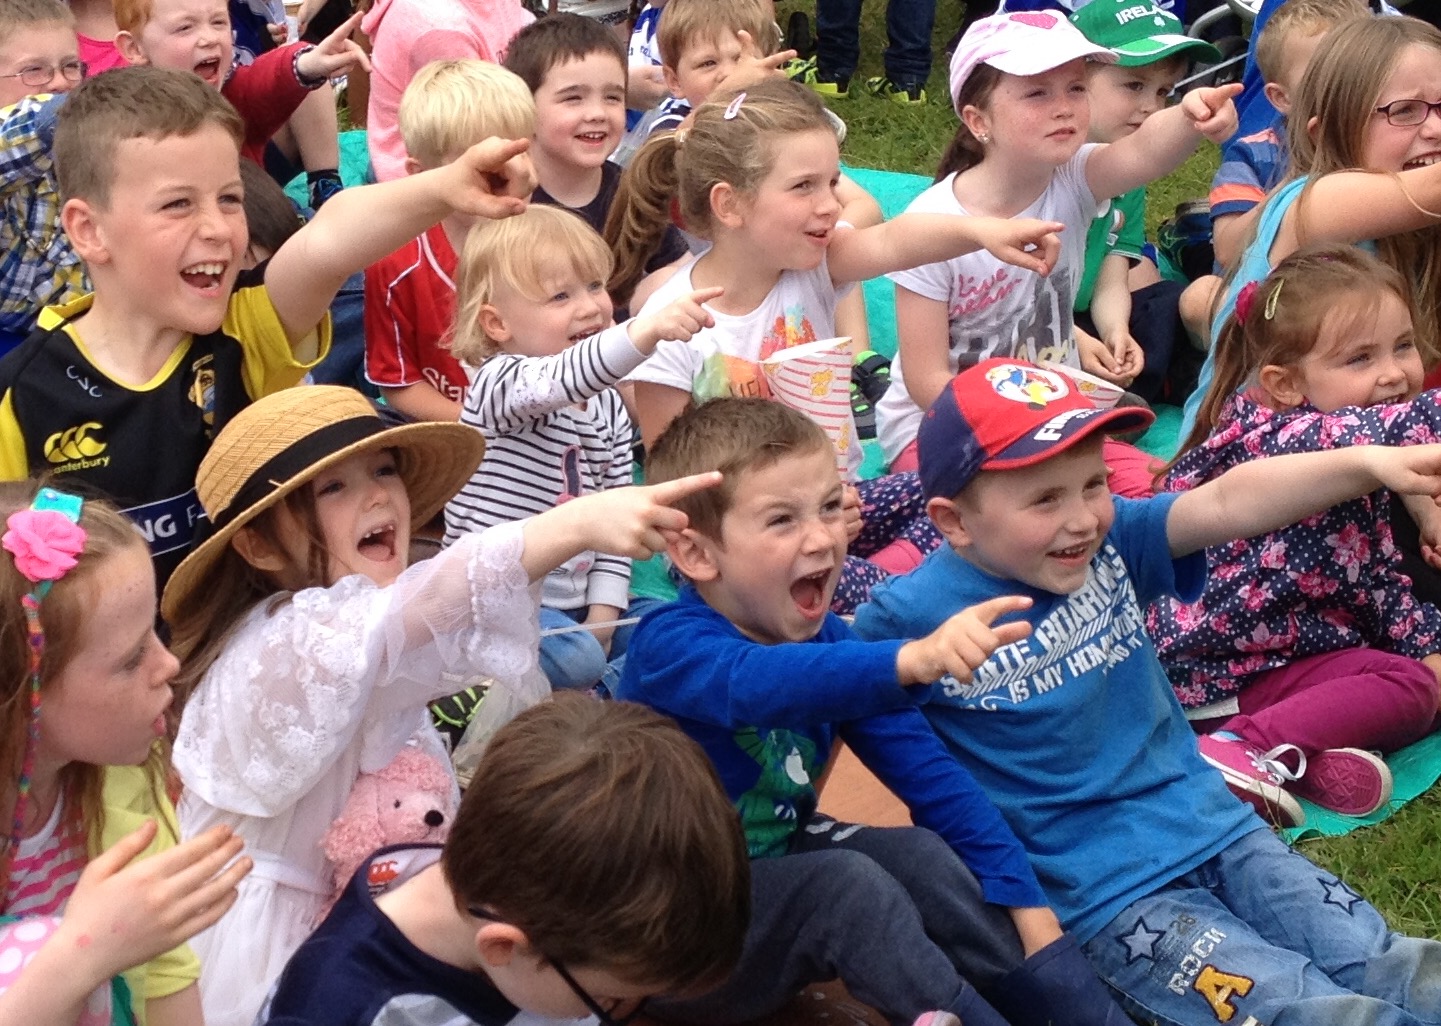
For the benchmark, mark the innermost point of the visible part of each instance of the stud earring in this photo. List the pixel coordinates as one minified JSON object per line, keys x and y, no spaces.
{"x":983,"y":138}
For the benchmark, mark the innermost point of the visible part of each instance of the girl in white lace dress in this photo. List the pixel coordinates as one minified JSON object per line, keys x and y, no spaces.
{"x":309,"y":650}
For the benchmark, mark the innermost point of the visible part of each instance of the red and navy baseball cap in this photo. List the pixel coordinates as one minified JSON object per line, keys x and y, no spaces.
{"x":1005,"y":413}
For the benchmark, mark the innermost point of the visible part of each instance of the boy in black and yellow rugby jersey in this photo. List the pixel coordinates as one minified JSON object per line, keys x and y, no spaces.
{"x":123,"y":390}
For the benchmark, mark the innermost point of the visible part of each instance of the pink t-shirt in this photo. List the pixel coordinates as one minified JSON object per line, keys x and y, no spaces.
{"x":100,"y":55}
{"x":406,"y":35}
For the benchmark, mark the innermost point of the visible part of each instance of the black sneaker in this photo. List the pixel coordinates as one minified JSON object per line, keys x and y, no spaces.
{"x":905,"y":95}
{"x":453,"y":713}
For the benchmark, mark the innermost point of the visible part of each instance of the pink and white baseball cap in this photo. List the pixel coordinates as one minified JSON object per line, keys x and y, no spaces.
{"x":1022,"y":43}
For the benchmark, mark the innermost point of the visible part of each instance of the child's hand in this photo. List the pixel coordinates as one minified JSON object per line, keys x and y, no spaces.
{"x":851,"y":512}
{"x":492,"y":179}
{"x":334,"y":54}
{"x":1024,"y":242}
{"x":1428,"y":524}
{"x":124,"y":913}
{"x":1120,"y":361}
{"x":637,"y":522}
{"x":675,"y":322}
{"x":1211,"y":111}
{"x":1407,"y":469}
{"x":963,"y":642}
{"x":752,"y":66}
{"x":278,"y":33}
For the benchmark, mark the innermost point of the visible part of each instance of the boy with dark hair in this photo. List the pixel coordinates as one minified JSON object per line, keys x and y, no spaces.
{"x":594,"y":862}
{"x":123,"y":390}
{"x":1185,"y":902}
{"x":576,"y":70}
{"x":753,"y":666}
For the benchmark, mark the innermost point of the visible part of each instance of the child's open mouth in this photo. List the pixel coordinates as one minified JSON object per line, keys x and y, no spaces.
{"x":209,"y":69}
{"x":594,"y":138}
{"x":1425,"y":160}
{"x":378,"y":545}
{"x":583,"y":333}
{"x":1074,"y":556}
{"x":809,"y":594}
{"x":204,"y":277}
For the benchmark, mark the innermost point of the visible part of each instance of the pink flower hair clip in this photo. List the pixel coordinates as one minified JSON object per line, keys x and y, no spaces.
{"x":46,"y":544}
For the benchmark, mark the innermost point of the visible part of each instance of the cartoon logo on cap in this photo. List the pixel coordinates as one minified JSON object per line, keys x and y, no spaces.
{"x":1029,"y":385}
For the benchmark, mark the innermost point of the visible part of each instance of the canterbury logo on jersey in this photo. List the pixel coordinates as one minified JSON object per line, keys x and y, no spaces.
{"x":76,"y":443}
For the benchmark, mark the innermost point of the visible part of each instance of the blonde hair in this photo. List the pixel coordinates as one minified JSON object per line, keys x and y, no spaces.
{"x":735,"y":139}
{"x":1287,"y":315}
{"x":131,"y":103}
{"x":20,"y":14}
{"x":517,"y":253}
{"x":451,"y":105}
{"x":1295,"y":19}
{"x":686,"y":23}
{"x":1340,"y":90}
{"x":63,"y":613}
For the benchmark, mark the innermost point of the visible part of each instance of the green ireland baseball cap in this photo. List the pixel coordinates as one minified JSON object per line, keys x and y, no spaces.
{"x":1139,"y":32}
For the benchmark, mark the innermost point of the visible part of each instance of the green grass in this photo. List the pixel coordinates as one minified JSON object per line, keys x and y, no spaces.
{"x":1395,"y":865}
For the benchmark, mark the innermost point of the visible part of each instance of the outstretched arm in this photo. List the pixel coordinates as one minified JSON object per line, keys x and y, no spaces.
{"x":1268,"y":494}
{"x":1166,"y":139}
{"x":911,"y":240}
{"x":359,"y":226}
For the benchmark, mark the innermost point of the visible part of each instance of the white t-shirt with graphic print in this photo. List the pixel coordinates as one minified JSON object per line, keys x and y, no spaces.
{"x":995,"y":309}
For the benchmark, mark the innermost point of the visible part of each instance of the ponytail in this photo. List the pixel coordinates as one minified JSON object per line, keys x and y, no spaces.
{"x":965,"y":150}
{"x":640,"y":213}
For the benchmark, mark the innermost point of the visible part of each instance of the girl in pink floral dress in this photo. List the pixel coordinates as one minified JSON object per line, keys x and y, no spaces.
{"x":1308,"y":652}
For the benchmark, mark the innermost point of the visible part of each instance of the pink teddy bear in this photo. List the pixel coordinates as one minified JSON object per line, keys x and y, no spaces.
{"x":407,"y":802}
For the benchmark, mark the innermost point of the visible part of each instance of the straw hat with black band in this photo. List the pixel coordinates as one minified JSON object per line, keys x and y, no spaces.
{"x":284,"y":440}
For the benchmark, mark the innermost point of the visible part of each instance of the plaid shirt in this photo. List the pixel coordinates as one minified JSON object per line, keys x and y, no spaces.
{"x":38,"y":267}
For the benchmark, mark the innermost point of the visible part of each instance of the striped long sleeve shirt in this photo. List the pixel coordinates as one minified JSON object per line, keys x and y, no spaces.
{"x":554,"y":430}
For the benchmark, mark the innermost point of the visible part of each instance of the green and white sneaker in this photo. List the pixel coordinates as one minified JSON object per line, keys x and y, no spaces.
{"x":887,"y":90}
{"x":808,"y":72}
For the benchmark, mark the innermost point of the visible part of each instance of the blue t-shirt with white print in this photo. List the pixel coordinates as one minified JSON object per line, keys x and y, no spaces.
{"x":1074,"y":732}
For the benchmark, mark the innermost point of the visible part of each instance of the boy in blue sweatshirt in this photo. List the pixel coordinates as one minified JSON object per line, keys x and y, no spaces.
{"x":1186,"y":903}
{"x":752,"y":665}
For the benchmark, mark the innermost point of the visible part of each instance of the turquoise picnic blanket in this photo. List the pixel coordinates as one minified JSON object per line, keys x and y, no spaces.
{"x":1415,"y":768}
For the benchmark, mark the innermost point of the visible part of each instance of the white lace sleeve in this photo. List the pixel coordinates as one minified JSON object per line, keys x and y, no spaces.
{"x":300,"y":681}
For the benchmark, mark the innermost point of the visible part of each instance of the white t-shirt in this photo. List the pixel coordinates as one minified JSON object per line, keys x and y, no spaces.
{"x":725,"y":360}
{"x":996,"y":309}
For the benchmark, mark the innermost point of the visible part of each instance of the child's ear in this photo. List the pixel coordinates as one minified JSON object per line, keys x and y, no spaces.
{"x":949,"y":520}
{"x":1280,"y":384}
{"x":497,"y":944}
{"x":129,"y":48}
{"x":259,"y":551}
{"x":412,"y":166}
{"x":1312,"y":127}
{"x":77,"y":217}
{"x":725,"y":205}
{"x":693,"y":555}
{"x":672,"y":82}
{"x":976,"y":120}
{"x":1276,"y":93}
{"x":493,"y":324}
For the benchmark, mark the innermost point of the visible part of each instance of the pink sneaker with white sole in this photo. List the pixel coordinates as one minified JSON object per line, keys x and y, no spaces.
{"x":1345,"y":780}
{"x":1258,"y":778}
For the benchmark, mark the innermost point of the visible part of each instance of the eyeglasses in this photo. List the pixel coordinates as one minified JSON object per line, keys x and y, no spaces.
{"x":1407,"y":113}
{"x":606,"y":1016}
{"x":42,"y":75}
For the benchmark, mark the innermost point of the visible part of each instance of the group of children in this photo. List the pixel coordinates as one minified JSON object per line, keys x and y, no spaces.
{"x":1031,"y":658}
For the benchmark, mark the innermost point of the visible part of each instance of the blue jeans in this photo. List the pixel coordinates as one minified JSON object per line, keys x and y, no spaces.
{"x":1260,"y":935}
{"x":575,"y":659}
{"x":908,"y":31}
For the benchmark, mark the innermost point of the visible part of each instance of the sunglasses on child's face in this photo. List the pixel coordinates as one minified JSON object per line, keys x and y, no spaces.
{"x":38,"y":75}
{"x":606,"y":1016}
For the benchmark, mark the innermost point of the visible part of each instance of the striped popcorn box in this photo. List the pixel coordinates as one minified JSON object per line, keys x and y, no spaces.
{"x":815,"y":378}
